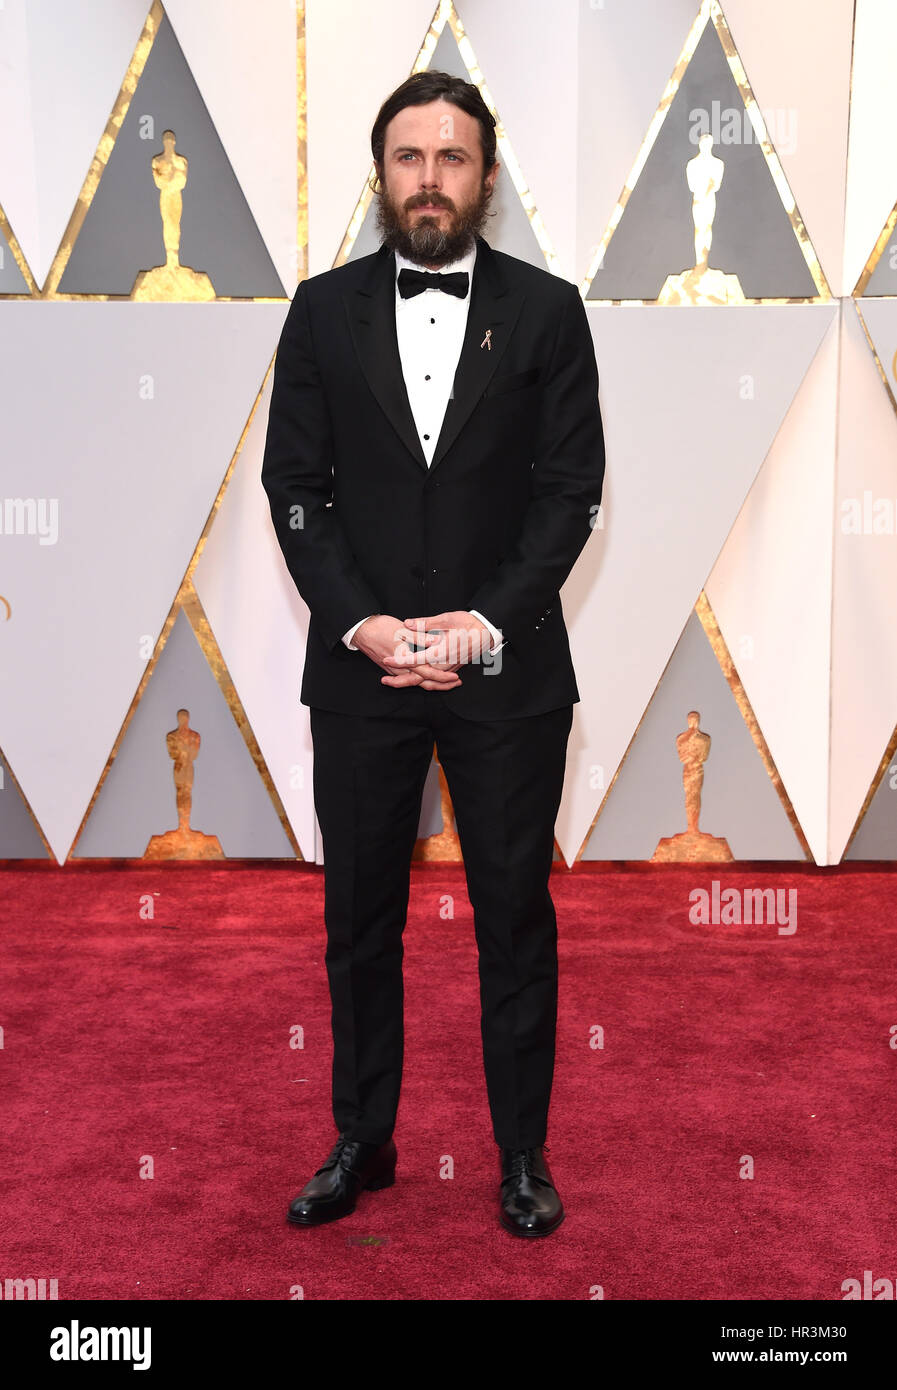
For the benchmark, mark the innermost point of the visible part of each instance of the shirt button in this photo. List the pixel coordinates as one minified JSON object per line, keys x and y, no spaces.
{"x":432,"y":320}
{"x":426,"y":378}
{"x":426,"y":436}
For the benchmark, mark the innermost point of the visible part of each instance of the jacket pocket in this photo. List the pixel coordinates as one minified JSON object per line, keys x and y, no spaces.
{"x":515,"y":381}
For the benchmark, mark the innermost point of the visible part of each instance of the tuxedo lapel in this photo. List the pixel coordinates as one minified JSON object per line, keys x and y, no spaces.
{"x":371,"y":311}
{"x":494,"y":309}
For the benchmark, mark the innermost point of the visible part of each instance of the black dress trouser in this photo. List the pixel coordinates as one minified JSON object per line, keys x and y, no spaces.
{"x":505,"y":778}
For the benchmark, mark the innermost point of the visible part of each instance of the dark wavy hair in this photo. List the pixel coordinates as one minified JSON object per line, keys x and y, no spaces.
{"x":424,"y":87}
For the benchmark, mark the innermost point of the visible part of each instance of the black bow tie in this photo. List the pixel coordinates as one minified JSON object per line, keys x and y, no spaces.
{"x":412,"y":282}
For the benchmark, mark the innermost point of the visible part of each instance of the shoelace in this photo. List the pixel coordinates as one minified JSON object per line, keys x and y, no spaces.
{"x":336,"y":1154}
{"x":523,"y":1162}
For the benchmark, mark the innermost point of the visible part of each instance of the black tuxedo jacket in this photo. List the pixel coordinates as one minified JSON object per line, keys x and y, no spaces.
{"x":495,"y":523}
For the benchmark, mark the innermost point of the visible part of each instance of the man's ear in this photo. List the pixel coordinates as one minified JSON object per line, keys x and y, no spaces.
{"x":376,"y":183}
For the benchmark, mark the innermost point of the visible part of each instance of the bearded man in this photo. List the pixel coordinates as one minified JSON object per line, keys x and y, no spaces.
{"x":434,"y":464}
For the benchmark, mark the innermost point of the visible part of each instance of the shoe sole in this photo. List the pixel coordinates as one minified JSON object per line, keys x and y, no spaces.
{"x":531,"y":1235}
{"x":375,"y":1185}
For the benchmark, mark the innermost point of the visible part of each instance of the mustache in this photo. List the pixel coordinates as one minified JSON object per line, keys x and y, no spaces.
{"x":421,"y":200}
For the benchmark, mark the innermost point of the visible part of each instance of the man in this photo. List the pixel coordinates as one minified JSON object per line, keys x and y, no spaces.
{"x":434,"y":464}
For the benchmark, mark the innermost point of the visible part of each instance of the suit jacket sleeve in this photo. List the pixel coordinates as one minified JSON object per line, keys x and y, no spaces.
{"x":297,"y":475}
{"x":567,"y":481}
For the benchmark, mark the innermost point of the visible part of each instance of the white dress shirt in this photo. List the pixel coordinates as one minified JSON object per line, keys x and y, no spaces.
{"x":430,"y":330}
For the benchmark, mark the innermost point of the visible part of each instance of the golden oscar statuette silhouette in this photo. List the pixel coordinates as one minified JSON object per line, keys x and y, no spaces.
{"x":171,"y":280}
{"x":444,"y":845}
{"x":702,"y":284}
{"x":183,"y":843}
{"x":692,"y":846}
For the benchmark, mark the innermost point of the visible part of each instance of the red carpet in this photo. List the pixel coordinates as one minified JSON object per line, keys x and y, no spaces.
{"x":171,"y":1038}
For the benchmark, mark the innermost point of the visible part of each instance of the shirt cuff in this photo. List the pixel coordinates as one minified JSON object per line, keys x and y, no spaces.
{"x":497,"y":639}
{"x":347,"y":636}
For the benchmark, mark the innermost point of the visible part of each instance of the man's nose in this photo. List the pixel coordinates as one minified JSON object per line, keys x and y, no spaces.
{"x":429,"y":177}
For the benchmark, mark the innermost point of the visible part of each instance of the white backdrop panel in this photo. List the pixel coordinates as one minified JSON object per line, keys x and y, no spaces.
{"x":63,"y":62}
{"x":618,"y":98}
{"x":356,"y":55}
{"x":797,"y":59}
{"x":771,"y":592}
{"x":134,"y":477}
{"x":683,"y":448}
{"x":527,"y":52}
{"x":872,"y":149}
{"x":864,"y":615}
{"x":243,"y":58}
{"x":261,"y":624}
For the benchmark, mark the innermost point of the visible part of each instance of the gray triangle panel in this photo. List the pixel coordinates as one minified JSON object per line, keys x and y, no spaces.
{"x":122,"y":231}
{"x":738,"y":802}
{"x":883,"y":280}
{"x":877,"y":835}
{"x":431,"y":822}
{"x":19,"y":838}
{"x":137,"y":799}
{"x":752,"y":234}
{"x":12,"y":281}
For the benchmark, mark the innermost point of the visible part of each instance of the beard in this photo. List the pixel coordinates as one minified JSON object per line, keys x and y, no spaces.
{"x":424,"y":240}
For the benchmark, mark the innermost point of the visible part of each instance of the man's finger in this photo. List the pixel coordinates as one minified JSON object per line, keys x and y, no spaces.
{"x":418,"y":627}
{"x":404,"y":660}
{"x":434,"y":620}
{"x":414,"y":657}
{"x":412,"y":678}
{"x":405,"y":678}
{"x":424,"y":672}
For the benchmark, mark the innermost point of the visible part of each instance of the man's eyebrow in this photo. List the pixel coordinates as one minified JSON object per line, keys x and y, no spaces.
{"x":444,"y":149}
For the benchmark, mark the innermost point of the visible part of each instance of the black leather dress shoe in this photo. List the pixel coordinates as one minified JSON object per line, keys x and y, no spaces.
{"x":352,"y":1167}
{"x":529,"y":1203}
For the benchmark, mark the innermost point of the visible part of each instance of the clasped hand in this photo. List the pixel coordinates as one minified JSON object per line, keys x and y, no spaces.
{"x":423,"y":651}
